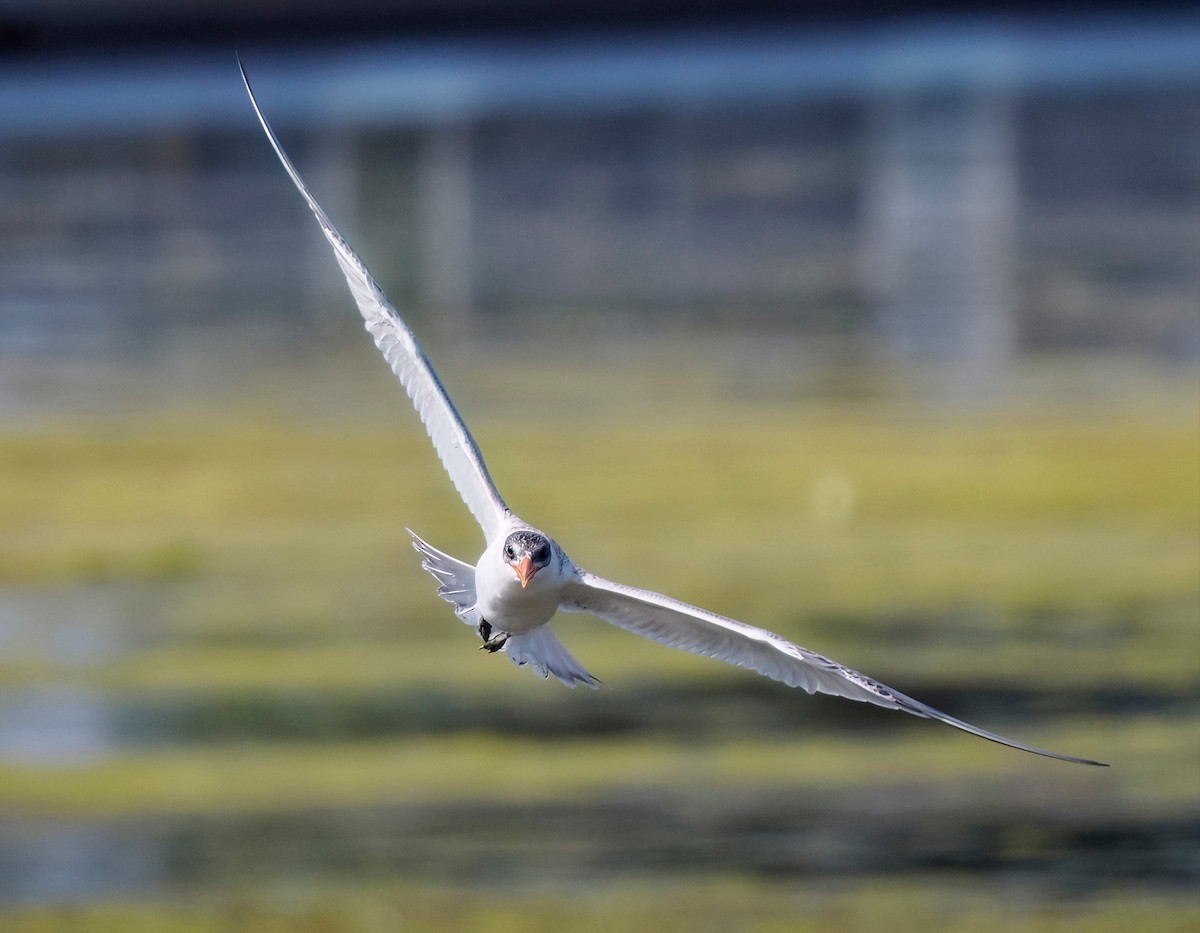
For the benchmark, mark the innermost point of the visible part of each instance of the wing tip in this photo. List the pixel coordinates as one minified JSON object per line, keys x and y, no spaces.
{"x":1069,"y":759}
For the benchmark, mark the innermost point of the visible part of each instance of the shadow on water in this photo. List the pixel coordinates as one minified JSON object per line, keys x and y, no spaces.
{"x":642,"y":833}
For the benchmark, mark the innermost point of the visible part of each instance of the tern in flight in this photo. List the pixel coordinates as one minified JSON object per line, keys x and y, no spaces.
{"x":524,"y":577}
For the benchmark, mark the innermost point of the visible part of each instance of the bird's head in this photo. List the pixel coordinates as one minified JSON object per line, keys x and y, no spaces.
{"x":526,"y":552}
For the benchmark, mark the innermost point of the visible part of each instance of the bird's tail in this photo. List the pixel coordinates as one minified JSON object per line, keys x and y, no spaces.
{"x":545,"y":654}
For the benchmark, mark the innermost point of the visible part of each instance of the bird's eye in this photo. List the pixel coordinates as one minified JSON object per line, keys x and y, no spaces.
{"x":542,"y":554}
{"x":509,"y":552}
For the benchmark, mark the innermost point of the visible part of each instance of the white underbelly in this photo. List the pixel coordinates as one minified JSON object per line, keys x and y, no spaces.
{"x":516,"y":613}
{"x":508,"y":607}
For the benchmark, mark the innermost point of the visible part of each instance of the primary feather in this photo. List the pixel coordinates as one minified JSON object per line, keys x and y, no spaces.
{"x":453,"y":442}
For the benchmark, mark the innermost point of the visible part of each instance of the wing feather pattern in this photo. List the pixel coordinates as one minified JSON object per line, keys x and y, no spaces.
{"x":453,"y":442}
{"x":679,"y":625}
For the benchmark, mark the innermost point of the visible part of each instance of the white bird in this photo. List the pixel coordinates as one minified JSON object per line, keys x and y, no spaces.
{"x":523,"y":576}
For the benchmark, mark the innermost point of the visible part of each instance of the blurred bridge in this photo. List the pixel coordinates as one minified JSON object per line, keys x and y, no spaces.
{"x":954,"y":191}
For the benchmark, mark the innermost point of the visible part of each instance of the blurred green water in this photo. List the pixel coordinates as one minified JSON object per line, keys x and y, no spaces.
{"x":264,"y":696}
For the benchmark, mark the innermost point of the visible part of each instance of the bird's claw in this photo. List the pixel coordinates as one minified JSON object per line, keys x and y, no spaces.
{"x":494,"y":644}
{"x":491,"y":643}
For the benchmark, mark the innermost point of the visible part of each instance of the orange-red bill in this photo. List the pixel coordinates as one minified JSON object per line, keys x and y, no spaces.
{"x":525,"y":571}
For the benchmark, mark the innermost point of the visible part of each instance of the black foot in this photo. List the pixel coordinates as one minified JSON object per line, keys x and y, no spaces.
{"x":495,"y":643}
{"x":491,"y":643}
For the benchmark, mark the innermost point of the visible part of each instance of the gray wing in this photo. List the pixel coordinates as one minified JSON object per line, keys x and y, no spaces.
{"x":453,"y":442}
{"x":674,"y":623}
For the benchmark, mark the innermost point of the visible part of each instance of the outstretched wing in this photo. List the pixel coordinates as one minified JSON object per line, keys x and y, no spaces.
{"x":451,"y":439}
{"x":674,"y":623}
